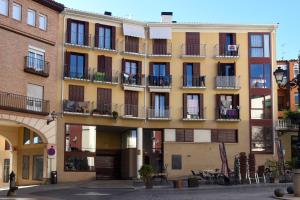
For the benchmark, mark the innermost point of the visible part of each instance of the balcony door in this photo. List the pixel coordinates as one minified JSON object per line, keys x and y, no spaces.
{"x":36,"y":59}
{"x":160,"y":104}
{"x":159,"y":70}
{"x":77,"y":65}
{"x":226,"y":69}
{"x":35,"y":95}
{"x":189,"y":75}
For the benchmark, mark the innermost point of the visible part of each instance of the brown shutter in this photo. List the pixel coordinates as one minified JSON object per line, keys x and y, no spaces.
{"x":160,"y":46}
{"x":168,"y":68}
{"x":152,"y":103}
{"x":113,"y":37}
{"x":184,"y":105}
{"x":99,"y":98}
{"x":222,"y":42}
{"x":139,"y":72}
{"x":192,"y":43}
{"x":219,"y":70}
{"x":217,"y":105}
{"x":109,"y":99}
{"x":233,"y":38}
{"x":135,"y":103}
{"x":104,"y":100}
{"x":131,"y":44}
{"x":86,"y":34}
{"x":214,"y":135}
{"x":196,"y":74}
{"x":167,"y":103}
{"x":127,"y":102}
{"x":179,"y":135}
{"x":151,"y":68}
{"x":108,"y":68}
{"x":184,"y":74}
{"x":69,"y":22}
{"x":236,"y":101}
{"x":76,"y":93}
{"x":86,"y":65}
{"x":67,"y":64}
{"x":101,"y":63}
{"x":189,"y":135}
{"x":234,"y":66}
{"x":201,"y":107}
{"x":123,"y":65}
{"x":97,"y":26}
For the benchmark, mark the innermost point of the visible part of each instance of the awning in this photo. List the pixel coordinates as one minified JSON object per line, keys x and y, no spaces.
{"x":160,"y":32}
{"x":134,"y":30}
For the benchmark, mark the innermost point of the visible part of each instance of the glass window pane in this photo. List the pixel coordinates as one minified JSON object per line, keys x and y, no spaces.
{"x":80,"y":65}
{"x":17,"y":11}
{"x":156,"y":70}
{"x":4,"y":7}
{"x":38,"y":167}
{"x":262,"y":139}
{"x":80,"y":34}
{"x":189,"y":75}
{"x":25,"y":167}
{"x":296,"y":69}
{"x":73,"y":33}
{"x":31,"y":17}
{"x":80,"y":163}
{"x":108,"y":38}
{"x":257,"y":52}
{"x":162,"y":70}
{"x":37,"y":139}
{"x":73,"y":65}
{"x":26,"y":136}
{"x":256,"y":41}
{"x":101,"y":37}
{"x":133,"y":68}
{"x":296,"y":99}
{"x":43,"y":22}
{"x":267,"y":76}
{"x":266,"y":45}
{"x":257,"y":75}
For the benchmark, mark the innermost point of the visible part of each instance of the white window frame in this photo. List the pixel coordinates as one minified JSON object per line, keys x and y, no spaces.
{"x":34,"y":18}
{"x":5,"y":2}
{"x":41,"y":16}
{"x":33,"y":62}
{"x":19,"y":15}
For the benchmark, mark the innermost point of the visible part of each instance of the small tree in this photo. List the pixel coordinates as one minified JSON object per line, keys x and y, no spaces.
{"x":146,"y":172}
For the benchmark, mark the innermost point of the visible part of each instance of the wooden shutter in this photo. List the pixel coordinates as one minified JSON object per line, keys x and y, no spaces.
{"x":104,"y":100}
{"x":97,"y":26}
{"x":101,"y":63}
{"x":184,"y":74}
{"x":184,"y":105}
{"x":179,"y":135}
{"x":68,"y":36}
{"x":131,"y":103}
{"x":214,"y":135}
{"x":86,"y":34}
{"x":67,"y":64}
{"x":135,"y":102}
{"x":196,"y":74}
{"x":201,"y":107}
{"x":168,"y":68}
{"x":152,"y":101}
{"x":227,"y":136}
{"x":151,"y":64}
{"x":76,"y":93}
{"x":192,"y":43}
{"x":219,"y":69}
{"x":160,"y":46}
{"x":127,"y":102}
{"x":233,"y":38}
{"x":108,"y":68}
{"x":86,"y":65}
{"x":222,"y":43}
{"x":189,"y":135}
{"x":167,"y":105}
{"x":235,"y":101}
{"x":113,"y":37}
{"x":123,"y":65}
{"x":131,"y":44}
{"x":139,"y":72}
{"x":217,"y":105}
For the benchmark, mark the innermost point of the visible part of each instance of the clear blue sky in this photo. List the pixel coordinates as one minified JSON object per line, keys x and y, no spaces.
{"x":284,"y":12}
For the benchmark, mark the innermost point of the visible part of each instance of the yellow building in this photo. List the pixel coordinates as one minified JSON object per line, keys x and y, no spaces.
{"x":162,"y":93}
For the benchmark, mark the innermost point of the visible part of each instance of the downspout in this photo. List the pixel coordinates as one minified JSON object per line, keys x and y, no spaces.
{"x":145,"y":68}
{"x":63,"y":63}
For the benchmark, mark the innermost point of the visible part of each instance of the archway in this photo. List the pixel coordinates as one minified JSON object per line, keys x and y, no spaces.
{"x":6,"y":159}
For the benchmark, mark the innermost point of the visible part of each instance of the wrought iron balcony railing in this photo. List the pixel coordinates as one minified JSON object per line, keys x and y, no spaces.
{"x":36,"y":66}
{"x":228,"y":82}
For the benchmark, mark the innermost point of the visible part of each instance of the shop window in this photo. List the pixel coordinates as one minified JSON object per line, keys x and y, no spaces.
{"x":262,"y":139}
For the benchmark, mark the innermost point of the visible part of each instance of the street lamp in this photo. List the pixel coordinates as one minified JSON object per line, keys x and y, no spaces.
{"x":283,"y":83}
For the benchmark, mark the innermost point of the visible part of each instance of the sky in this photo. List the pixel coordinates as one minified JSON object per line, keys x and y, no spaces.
{"x":284,"y":12}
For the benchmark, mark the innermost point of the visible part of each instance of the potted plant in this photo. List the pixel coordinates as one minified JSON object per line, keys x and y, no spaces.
{"x":146,"y":172}
{"x":115,"y":114}
{"x":294,"y":116}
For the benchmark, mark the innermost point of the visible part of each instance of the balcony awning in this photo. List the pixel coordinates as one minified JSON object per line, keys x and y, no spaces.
{"x":134,"y":30}
{"x":160,"y":32}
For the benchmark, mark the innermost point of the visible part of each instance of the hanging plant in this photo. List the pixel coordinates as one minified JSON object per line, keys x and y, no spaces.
{"x":115,"y":114}
{"x":294,"y":116}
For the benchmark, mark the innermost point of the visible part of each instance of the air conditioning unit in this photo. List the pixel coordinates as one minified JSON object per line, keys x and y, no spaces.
{"x":232,"y":47}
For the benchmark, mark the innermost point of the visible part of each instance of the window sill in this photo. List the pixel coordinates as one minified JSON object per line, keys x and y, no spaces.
{"x":193,"y":56}
{"x":105,"y":49}
{"x":78,"y":45}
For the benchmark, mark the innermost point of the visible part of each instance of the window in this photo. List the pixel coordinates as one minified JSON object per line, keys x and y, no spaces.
{"x":25,"y":167}
{"x":261,"y":107}
{"x":296,"y":96}
{"x":37,"y":139}
{"x":176,"y":162}
{"x":80,"y":148}
{"x":262,"y":139}
{"x":35,"y":95}
{"x":76,"y":93}
{"x":192,"y":109}
{"x":224,"y":135}
{"x":226,"y":69}
{"x":160,"y":47}
{"x":105,"y":37}
{"x":38,"y":167}
{"x":131,"y":103}
{"x":36,"y":59}
{"x":192,"y":43}
{"x":26,"y":136}
{"x":191,"y":75}
{"x":4,"y":7}
{"x":7,"y":146}
{"x":42,"y":22}
{"x":6,"y":168}
{"x":17,"y":11}
{"x":159,"y":74}
{"x":159,"y":105}
{"x":228,"y":106}
{"x":77,"y":33}
{"x":184,"y":135}
{"x":296,"y":69}
{"x":132,"y":73}
{"x":31,"y":17}
{"x":77,"y":66}
{"x":260,"y":76}
{"x":260,"y":45}
{"x":104,"y":105}
{"x":131,"y":44}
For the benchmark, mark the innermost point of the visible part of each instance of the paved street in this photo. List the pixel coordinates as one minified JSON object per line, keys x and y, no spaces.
{"x":73,"y":192}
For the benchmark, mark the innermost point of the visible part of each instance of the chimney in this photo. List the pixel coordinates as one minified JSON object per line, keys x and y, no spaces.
{"x":107,"y":13}
{"x":166,"y":17}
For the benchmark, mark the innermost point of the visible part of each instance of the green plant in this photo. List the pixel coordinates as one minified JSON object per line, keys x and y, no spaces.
{"x":292,"y":163}
{"x":115,"y":114}
{"x":273,"y":166}
{"x":294,"y":116}
{"x":146,"y":172}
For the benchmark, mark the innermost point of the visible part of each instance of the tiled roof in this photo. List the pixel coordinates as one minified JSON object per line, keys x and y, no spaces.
{"x":51,"y":4}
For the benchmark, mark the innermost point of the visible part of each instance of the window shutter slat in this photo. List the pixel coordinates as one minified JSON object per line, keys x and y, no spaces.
{"x":222,"y":43}
{"x":67,"y":64}
{"x":184,"y":74}
{"x":113,"y":37}
{"x":97,"y":35}
{"x":234,"y":38}
{"x":101,"y":63}
{"x":68,"y":36}
{"x":86,"y":33}
{"x":168,"y":68}
{"x":151,"y":68}
{"x":167,"y":101}
{"x":184,"y":105}
{"x":108,"y":68}
{"x":189,"y":135}
{"x":179,"y":135}
{"x":86,"y":65}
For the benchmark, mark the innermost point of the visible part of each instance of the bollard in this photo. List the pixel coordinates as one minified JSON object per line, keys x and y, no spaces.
{"x":12,"y":185}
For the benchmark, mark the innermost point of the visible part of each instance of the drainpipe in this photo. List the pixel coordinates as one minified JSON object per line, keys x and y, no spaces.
{"x":63,"y":63}
{"x":145,"y":68}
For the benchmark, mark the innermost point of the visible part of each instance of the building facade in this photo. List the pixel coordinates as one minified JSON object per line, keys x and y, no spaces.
{"x":29,"y":56}
{"x":164,"y":94}
{"x":288,"y":100}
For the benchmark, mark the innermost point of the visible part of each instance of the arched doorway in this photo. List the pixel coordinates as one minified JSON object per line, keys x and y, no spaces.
{"x":6,"y":158}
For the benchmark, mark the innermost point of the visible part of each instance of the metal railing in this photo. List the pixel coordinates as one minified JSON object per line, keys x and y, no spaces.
{"x":227,"y":113}
{"x":20,"y":103}
{"x":193,"y":81}
{"x":227,"y":50}
{"x":36,"y":66}
{"x":158,"y":113}
{"x":162,"y":81}
{"x":232,"y":82}
{"x":133,"y":79}
{"x":105,"y":78}
{"x":160,"y":49}
{"x":193,"y":50}
{"x":77,"y":75}
{"x":77,"y":106}
{"x":131,"y":48}
{"x":106,"y":109}
{"x":194,"y":113}
{"x":286,"y":124}
{"x":133,"y":111}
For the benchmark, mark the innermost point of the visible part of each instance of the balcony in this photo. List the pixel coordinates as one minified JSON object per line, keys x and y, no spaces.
{"x":227,"y":51}
{"x":160,"y":50}
{"x":193,"y":82}
{"x":228,"y":83}
{"x":193,"y":51}
{"x":194,"y":114}
{"x":106,"y":110}
{"x":160,"y":83}
{"x":228,"y":114}
{"x":20,"y":103}
{"x":286,"y":125}
{"x":77,"y":107}
{"x":78,"y":76}
{"x":133,"y":112}
{"x":129,"y":48}
{"x":81,"y":43}
{"x":103,"y":78}
{"x":103,"y":48}
{"x":159,"y":114}
{"x":36,"y":66}
{"x":133,"y":82}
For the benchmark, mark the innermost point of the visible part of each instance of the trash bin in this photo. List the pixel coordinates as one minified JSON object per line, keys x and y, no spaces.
{"x":54,"y":177}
